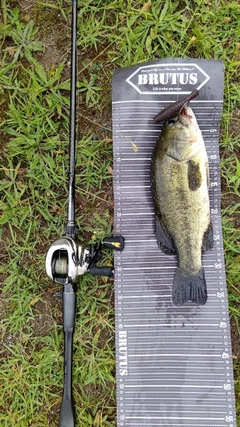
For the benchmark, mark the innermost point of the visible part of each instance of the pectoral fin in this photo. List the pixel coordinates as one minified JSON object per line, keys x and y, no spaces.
{"x":208,"y":238}
{"x":164,"y":241}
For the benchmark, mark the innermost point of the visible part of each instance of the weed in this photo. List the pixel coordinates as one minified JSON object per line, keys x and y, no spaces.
{"x":231,"y":172}
{"x":23,"y":37}
{"x":92,"y":90}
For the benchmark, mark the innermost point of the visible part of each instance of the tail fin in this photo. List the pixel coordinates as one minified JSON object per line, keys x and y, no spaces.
{"x":189,"y":288}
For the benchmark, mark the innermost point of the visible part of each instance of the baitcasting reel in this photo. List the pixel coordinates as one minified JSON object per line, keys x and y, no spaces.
{"x":66,"y":260}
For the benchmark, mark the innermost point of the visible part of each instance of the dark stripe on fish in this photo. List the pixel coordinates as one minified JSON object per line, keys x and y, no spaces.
{"x":173,"y":109}
{"x":194,"y":176}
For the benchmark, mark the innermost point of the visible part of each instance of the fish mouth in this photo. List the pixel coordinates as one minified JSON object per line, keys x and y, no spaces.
{"x":186,"y":114}
{"x":186,"y":111}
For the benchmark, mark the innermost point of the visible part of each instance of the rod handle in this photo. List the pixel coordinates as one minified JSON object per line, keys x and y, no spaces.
{"x":67,"y":414}
{"x":67,"y":417}
{"x":69,"y":308}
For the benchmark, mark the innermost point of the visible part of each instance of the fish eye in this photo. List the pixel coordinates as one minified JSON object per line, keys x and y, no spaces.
{"x":172,"y":121}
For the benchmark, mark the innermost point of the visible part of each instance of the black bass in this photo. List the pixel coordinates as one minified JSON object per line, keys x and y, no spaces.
{"x":179,"y":177}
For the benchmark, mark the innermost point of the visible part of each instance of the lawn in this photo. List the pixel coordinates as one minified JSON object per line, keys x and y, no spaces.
{"x":35,"y":39}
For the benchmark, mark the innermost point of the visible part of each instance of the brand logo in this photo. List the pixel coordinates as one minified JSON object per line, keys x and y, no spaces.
{"x":123,"y":353}
{"x":167,"y":79}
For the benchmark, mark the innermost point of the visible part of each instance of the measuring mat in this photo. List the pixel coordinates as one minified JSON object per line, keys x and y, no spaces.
{"x":174,"y":363}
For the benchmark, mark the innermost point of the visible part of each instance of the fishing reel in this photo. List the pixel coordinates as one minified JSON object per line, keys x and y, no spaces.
{"x":66,"y":260}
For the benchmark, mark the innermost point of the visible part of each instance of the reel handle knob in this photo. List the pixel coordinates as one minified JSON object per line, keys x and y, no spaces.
{"x":116,"y":243}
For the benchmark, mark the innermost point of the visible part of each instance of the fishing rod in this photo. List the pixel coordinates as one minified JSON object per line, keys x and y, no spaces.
{"x":66,"y":259}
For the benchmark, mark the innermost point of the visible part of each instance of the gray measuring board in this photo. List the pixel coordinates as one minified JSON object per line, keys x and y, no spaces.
{"x":174,"y":363}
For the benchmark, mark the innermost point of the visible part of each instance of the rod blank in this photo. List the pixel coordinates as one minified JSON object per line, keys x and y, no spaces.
{"x":71,"y":227}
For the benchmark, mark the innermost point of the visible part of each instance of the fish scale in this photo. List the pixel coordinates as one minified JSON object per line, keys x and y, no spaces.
{"x":174,"y":363}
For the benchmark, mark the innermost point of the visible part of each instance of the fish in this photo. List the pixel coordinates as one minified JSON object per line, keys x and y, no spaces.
{"x":172,"y":109}
{"x":180,"y":192}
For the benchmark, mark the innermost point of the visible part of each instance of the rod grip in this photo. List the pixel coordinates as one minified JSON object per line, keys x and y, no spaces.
{"x":67,"y":417}
{"x":69,"y":307}
{"x":67,"y":414}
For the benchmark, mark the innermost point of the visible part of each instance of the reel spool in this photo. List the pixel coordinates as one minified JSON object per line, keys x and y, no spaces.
{"x":66,"y":261}
{"x":60,"y":264}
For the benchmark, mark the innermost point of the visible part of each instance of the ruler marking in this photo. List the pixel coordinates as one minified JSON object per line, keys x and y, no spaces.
{"x":176,"y":418}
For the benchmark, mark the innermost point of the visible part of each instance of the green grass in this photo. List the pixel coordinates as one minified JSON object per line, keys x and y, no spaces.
{"x":34,"y":102}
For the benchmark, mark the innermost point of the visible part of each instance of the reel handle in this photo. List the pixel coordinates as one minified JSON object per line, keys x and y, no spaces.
{"x":101,"y":271}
